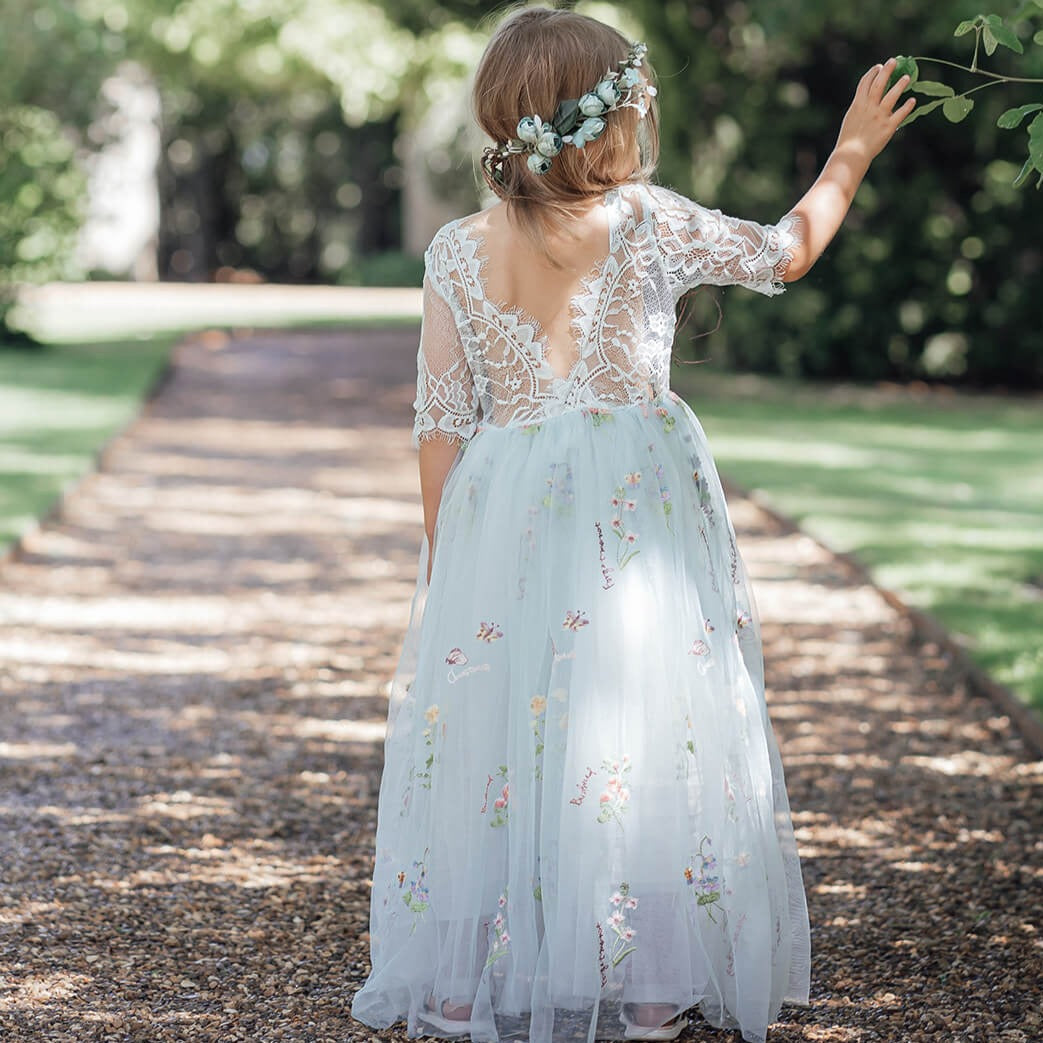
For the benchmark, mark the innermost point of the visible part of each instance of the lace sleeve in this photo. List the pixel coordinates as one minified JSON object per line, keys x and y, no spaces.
{"x":446,"y":400}
{"x":699,"y":245}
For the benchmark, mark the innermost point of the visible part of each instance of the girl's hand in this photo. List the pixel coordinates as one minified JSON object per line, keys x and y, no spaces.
{"x":872,"y":119}
{"x":868,"y":126}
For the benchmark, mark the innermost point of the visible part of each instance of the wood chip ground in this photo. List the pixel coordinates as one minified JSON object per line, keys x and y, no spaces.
{"x":193,"y":662}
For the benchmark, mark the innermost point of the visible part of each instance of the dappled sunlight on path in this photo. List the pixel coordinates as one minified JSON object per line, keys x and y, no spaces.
{"x":193,"y":664}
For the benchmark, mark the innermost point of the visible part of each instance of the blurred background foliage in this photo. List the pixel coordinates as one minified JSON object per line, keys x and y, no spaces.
{"x":931,"y":276}
{"x":289,"y":128}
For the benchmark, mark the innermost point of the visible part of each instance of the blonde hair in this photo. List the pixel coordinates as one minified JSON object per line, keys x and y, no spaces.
{"x":537,"y":57}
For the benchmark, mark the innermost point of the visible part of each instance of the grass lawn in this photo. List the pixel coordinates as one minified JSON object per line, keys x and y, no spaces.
{"x":58,"y":405}
{"x":940,"y":495}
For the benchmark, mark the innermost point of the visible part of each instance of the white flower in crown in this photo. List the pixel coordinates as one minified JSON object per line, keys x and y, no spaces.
{"x":591,"y":105}
{"x":589,"y":130}
{"x":549,"y":143}
{"x":529,"y":129}
{"x":608,"y":91}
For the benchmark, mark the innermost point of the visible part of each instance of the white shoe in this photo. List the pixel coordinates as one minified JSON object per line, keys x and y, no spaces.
{"x":438,"y":1020}
{"x":671,"y":1030}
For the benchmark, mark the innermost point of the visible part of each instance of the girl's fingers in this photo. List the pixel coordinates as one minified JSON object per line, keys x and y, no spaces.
{"x":900,"y":114}
{"x":895,"y":92}
{"x":865,"y":83}
{"x":880,"y":83}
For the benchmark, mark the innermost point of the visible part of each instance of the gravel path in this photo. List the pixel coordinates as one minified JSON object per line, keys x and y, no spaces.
{"x":192,"y":669}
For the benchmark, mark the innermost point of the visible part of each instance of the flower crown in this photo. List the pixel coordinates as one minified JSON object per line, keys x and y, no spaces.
{"x":577,"y":120}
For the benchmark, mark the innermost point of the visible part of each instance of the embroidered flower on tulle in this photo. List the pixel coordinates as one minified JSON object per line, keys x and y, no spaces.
{"x":701,"y":876}
{"x":621,"y":901}
{"x":538,"y":706}
{"x":668,"y":419}
{"x":417,"y":898}
{"x":560,"y":494}
{"x":621,"y":503}
{"x":434,"y":731}
{"x":501,"y":939}
{"x":599,"y":416}
{"x":664,"y":494}
{"x":702,"y":651}
{"x":501,"y":805}
{"x":612,"y":804}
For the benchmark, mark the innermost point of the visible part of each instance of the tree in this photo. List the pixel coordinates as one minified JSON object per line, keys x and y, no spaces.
{"x":54,"y":59}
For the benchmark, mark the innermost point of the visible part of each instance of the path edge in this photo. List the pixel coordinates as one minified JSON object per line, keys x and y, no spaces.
{"x":926,"y":628}
{"x":14,"y":550}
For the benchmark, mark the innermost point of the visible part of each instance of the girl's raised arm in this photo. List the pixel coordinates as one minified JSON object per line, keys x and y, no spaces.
{"x":868,"y":126}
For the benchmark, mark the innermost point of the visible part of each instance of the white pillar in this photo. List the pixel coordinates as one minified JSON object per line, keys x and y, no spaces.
{"x":121,"y":231}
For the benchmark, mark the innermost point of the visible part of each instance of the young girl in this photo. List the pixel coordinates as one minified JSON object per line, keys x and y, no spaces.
{"x":583,"y":827}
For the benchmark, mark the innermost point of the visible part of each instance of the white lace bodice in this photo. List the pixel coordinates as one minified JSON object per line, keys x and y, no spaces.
{"x":480,"y":360}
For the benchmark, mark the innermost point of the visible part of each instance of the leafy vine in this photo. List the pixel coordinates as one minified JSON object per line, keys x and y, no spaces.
{"x":990,"y":32}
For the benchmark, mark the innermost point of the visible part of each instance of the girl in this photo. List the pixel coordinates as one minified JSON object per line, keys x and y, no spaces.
{"x":583,"y":827}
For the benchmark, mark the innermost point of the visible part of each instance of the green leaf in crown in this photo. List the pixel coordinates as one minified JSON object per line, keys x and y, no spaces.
{"x":566,"y":116}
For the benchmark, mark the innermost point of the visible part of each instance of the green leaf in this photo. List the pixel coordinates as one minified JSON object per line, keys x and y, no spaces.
{"x":1012,"y":118}
{"x":1002,"y":34}
{"x":904,"y":66}
{"x":935,"y":90}
{"x":1036,"y":141}
{"x":967,"y":27}
{"x":957,"y":109}
{"x":1023,"y":174}
{"x":922,"y":110}
{"x":990,"y":40}
{"x":1038,"y":38}
{"x":565,"y":115}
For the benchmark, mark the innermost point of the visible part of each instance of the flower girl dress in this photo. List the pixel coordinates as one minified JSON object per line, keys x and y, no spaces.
{"x":583,"y":806}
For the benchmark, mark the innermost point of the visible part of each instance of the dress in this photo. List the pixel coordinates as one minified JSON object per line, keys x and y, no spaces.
{"x":583,"y":804}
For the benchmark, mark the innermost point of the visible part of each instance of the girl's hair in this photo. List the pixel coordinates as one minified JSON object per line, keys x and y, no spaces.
{"x":536,"y":58}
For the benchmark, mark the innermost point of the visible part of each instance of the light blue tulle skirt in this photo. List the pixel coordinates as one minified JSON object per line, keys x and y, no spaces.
{"x":583,"y":806}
